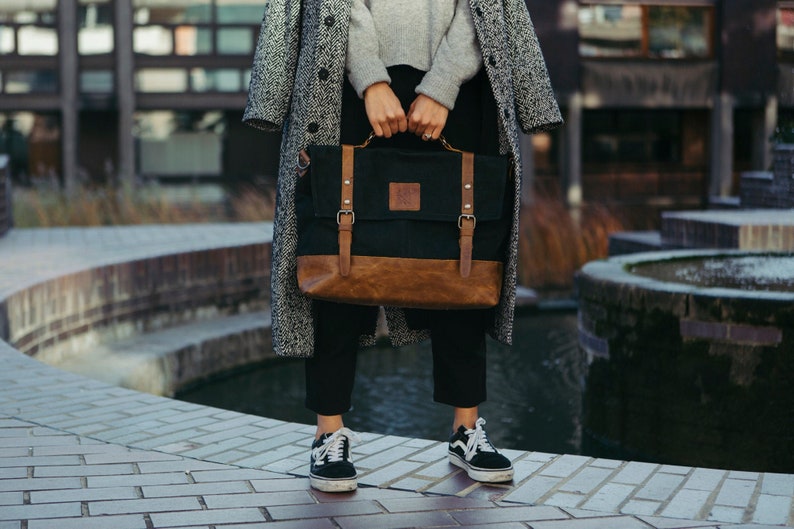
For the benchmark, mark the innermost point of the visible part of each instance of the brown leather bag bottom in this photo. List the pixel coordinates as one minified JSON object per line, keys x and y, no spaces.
{"x":401,"y":282}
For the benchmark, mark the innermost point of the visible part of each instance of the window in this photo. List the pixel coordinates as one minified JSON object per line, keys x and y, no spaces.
{"x":28,"y":28}
{"x":631,"y":136}
{"x":206,"y":27}
{"x":646,"y":31}
{"x":95,"y":33}
{"x":785,"y":27}
{"x":30,"y":82}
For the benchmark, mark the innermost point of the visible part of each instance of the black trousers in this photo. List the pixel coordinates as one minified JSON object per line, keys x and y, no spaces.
{"x":458,"y":336}
{"x":458,"y":344}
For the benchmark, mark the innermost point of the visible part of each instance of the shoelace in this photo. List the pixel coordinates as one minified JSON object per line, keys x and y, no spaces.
{"x":334,"y":446}
{"x":478,"y":440}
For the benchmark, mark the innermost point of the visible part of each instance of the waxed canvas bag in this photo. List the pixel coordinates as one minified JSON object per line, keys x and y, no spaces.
{"x":412,"y":229}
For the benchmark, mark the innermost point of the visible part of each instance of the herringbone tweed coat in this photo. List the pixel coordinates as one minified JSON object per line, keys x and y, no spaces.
{"x":296,"y":87}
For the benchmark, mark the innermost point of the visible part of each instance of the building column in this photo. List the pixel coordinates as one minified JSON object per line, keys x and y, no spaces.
{"x":527,"y":169}
{"x":721,"y":178}
{"x":68,"y":79}
{"x":572,"y":152}
{"x":762,"y":157}
{"x":125,"y":90}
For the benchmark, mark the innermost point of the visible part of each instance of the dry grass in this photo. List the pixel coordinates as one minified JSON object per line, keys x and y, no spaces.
{"x":107,"y":206}
{"x":554,"y":242}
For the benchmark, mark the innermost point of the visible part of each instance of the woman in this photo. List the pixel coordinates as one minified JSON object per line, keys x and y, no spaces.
{"x":469,"y":68}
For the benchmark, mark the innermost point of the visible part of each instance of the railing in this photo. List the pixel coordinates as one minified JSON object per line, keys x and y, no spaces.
{"x":6,"y":219}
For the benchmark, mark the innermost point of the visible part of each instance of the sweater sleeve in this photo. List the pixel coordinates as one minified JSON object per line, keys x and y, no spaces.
{"x":363,"y":63}
{"x":456,"y":60}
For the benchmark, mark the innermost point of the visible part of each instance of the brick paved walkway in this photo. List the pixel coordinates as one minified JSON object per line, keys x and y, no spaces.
{"x":79,"y":453}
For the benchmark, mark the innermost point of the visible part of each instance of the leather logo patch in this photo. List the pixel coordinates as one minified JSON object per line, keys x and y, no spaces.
{"x":404,"y":197}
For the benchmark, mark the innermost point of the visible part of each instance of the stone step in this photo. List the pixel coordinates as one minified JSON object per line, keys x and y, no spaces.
{"x":167,"y":360}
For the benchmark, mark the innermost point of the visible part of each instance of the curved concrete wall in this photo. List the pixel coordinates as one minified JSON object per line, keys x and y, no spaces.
{"x":672,"y":366}
{"x":62,"y":318}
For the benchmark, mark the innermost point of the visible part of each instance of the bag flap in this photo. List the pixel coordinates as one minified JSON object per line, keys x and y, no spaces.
{"x":436,"y":197}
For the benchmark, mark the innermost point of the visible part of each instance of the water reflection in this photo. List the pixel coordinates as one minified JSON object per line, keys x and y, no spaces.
{"x":534,"y":390}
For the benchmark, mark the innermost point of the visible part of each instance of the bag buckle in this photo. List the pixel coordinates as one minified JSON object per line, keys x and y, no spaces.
{"x":345,"y":212}
{"x":469,"y":217}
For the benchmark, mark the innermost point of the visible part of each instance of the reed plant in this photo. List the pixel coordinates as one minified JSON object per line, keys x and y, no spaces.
{"x":148,"y":204}
{"x":556,"y":241}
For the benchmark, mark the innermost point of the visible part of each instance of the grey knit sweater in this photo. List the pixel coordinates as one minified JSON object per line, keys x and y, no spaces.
{"x":434,"y":36}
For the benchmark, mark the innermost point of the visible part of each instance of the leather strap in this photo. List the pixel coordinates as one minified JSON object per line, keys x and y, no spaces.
{"x":345,"y":218}
{"x":466,"y":221}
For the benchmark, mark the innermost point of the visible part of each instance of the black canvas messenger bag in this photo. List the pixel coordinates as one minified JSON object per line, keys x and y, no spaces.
{"x":413,"y":229}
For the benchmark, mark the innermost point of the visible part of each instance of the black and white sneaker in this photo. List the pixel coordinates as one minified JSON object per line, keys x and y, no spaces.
{"x":472,"y":451}
{"x":332,"y":467}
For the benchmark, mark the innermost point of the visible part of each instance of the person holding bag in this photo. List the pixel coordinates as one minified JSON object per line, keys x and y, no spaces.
{"x":328,"y":72}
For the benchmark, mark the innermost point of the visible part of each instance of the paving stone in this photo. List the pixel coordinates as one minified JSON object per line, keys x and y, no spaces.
{"x":257,"y":499}
{"x":433,"y":503}
{"x":193,"y":465}
{"x":778,"y":484}
{"x":275,"y":485}
{"x":194,"y":489}
{"x":458,"y":483}
{"x":137,"y":480}
{"x":323,"y":510}
{"x":772,"y":510}
{"x":606,"y":463}
{"x":586,"y":481}
{"x":84,"y":470}
{"x":290,"y":524}
{"x":46,"y":510}
{"x":10,"y":525}
{"x":564,"y":499}
{"x":533,"y":489}
{"x":412,"y":484}
{"x":39,"y":484}
{"x":106,"y":493}
{"x":10,"y":498}
{"x":640,"y":507}
{"x":20,"y":451}
{"x":510,"y":514}
{"x":80,"y":449}
{"x":675,"y":469}
{"x":13,"y":472}
{"x":210,"y":517}
{"x":395,"y":521}
{"x":135,"y":456}
{"x":143,"y":506}
{"x":738,"y":474}
{"x":668,"y":523}
{"x":229,"y":474}
{"x":388,"y":473}
{"x":687,"y":503}
{"x":736,"y":493}
{"x":721,"y":513}
{"x":565,"y":466}
{"x":634,"y":473}
{"x":660,"y":487}
{"x":611,"y":522}
{"x":705,"y":479}
{"x":609,"y":497}
{"x":103,"y":522}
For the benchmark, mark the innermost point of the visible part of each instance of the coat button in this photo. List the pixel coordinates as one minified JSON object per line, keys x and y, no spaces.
{"x":322,"y":73}
{"x":492,"y":61}
{"x":313,"y":127}
{"x":507,"y":113}
{"x":478,"y":11}
{"x":329,"y":20}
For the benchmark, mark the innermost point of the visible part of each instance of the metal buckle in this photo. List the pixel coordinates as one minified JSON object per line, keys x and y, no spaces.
{"x":464,"y":216}
{"x":345,"y":212}
{"x":302,"y":167}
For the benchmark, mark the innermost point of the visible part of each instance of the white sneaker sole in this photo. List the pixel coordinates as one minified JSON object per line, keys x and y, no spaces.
{"x":483,"y":475}
{"x":333,"y":485}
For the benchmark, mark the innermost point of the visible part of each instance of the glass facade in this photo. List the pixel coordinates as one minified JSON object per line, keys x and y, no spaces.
{"x":646,"y":31}
{"x":95,"y":33}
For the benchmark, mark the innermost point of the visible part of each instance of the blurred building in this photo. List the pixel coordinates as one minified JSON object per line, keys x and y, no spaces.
{"x":666,"y":101}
